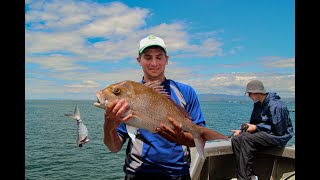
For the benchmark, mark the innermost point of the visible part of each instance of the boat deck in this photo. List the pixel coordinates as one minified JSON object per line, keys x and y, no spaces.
{"x":219,"y":163}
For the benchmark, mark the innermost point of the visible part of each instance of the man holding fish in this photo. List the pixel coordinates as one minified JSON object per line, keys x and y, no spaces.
{"x":160,"y":118}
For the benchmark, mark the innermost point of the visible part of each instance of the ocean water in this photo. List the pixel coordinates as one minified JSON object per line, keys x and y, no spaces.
{"x":51,"y":151}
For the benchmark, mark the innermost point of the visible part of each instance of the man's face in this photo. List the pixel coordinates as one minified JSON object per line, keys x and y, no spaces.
{"x":253,"y":96}
{"x":153,"y":61}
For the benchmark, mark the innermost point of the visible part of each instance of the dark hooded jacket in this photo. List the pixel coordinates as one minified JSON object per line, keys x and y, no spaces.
{"x":272,"y":117}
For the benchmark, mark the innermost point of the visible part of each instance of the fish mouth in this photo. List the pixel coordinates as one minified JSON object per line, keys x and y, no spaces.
{"x":101,"y":103}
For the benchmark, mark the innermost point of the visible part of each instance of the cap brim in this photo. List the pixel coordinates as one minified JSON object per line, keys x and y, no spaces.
{"x":256,"y":91}
{"x":142,"y":49}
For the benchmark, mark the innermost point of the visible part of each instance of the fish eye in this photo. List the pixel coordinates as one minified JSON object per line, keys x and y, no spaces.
{"x":116,"y":90}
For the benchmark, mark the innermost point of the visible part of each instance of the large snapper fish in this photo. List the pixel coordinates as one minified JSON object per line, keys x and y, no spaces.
{"x":150,"y":105}
{"x":82,"y":131}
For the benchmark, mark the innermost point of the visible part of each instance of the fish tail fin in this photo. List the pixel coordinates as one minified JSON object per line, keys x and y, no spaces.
{"x":200,"y":143}
{"x":75,"y":115}
{"x":204,"y":134}
{"x":209,"y":134}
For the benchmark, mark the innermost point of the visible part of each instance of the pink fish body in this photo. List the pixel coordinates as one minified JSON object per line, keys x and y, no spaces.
{"x":150,"y":106}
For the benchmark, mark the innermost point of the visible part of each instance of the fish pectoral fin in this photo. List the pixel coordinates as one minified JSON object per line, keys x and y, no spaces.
{"x":200,"y":143}
{"x":139,"y":120}
{"x":132,"y":132}
{"x":138,"y":115}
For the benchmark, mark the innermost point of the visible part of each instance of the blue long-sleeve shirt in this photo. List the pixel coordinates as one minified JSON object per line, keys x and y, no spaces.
{"x":272,"y":117}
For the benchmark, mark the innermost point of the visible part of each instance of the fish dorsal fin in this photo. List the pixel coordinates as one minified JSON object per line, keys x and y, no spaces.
{"x":156,"y":85}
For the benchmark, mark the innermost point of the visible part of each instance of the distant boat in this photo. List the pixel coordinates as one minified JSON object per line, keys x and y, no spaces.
{"x":276,"y":163}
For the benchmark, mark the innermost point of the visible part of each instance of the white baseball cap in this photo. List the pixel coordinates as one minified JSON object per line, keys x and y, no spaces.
{"x":151,"y":40}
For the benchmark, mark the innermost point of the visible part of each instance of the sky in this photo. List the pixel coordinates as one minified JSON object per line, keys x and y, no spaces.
{"x":74,"y":48}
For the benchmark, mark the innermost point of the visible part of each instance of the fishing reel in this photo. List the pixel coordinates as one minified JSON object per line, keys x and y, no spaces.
{"x":244,"y":127}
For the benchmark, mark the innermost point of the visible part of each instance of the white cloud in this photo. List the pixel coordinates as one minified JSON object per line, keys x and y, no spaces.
{"x":235,"y":83}
{"x":279,"y":62}
{"x":66,"y":25}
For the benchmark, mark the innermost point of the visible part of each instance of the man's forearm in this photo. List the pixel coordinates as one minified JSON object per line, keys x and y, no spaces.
{"x":112,"y":140}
